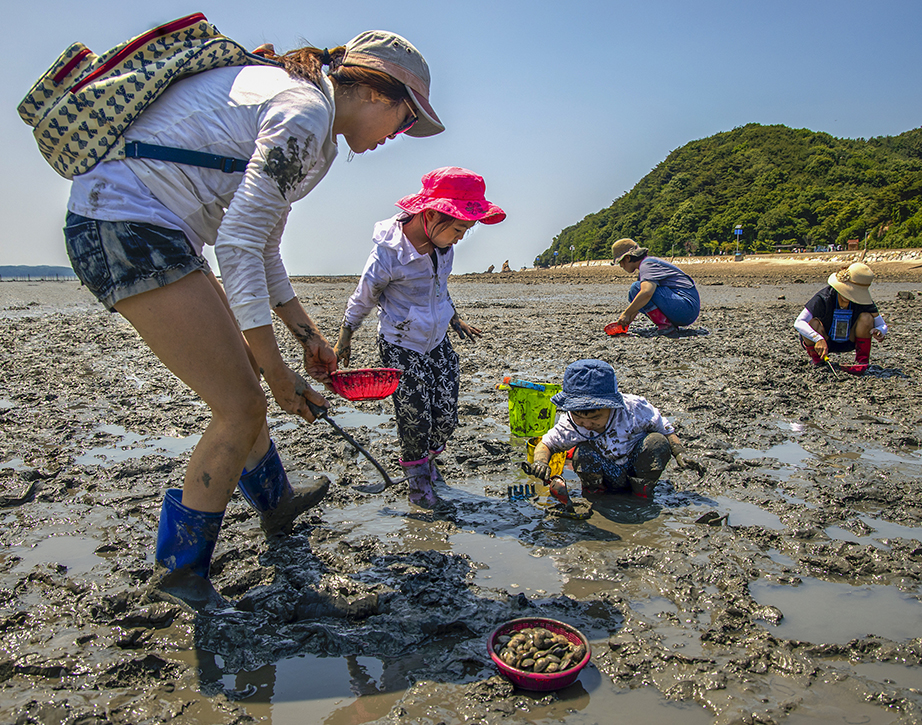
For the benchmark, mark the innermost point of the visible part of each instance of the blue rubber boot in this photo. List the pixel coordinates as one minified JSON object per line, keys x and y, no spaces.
{"x":266,"y":489}
{"x":186,"y":540}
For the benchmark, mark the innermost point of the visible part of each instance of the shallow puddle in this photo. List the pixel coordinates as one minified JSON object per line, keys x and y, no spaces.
{"x":132,"y":445}
{"x":910,"y":462}
{"x":354,"y":690}
{"x":747,"y":514}
{"x":860,"y":611}
{"x":891,"y":673}
{"x":879,"y":530}
{"x":792,"y":457}
{"x":74,"y":552}
{"x":509,"y":564}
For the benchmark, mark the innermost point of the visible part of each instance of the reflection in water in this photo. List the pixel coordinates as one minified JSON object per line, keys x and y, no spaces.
{"x":77,"y":553}
{"x":860,"y":611}
{"x":311,"y":689}
{"x":133,"y":445}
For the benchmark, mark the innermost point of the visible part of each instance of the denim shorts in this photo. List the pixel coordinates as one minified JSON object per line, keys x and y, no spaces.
{"x":116,"y":260}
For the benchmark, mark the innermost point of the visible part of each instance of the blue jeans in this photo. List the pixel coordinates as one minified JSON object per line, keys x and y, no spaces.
{"x":116,"y":260}
{"x":681,"y":306}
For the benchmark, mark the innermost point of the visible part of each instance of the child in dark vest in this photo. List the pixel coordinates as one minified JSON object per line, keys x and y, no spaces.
{"x":842,"y":317}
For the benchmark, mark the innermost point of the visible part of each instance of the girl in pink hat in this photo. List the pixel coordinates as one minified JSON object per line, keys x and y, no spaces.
{"x":406,"y":278}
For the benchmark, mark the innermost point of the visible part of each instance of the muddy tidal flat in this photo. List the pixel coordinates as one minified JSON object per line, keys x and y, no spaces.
{"x":801,"y":601}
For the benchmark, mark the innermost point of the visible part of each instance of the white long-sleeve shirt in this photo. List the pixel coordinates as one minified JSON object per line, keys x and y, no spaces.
{"x":281,"y":125}
{"x":409,"y":289}
{"x":626,"y":427}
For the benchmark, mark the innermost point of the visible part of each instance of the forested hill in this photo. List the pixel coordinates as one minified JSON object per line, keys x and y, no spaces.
{"x":784,"y":186}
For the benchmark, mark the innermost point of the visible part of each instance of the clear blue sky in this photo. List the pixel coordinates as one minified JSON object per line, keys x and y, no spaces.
{"x":562,"y":107}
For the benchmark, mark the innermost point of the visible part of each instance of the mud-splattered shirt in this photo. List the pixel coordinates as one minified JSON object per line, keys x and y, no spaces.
{"x":627,"y":426}
{"x":409,"y":289}
{"x":281,"y":125}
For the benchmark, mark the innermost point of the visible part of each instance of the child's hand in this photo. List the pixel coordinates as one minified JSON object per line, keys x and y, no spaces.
{"x":465,"y":330}
{"x":822,"y":348}
{"x":343,"y":346}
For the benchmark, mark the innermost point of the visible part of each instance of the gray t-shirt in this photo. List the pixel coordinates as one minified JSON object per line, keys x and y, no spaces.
{"x":663,"y":274}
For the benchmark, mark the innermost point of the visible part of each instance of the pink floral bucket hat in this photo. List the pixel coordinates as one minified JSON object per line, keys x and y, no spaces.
{"x":456,"y":192}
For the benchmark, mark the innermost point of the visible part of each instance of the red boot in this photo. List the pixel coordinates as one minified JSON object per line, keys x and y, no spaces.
{"x":811,"y":351}
{"x":659,"y":319}
{"x":862,"y":357}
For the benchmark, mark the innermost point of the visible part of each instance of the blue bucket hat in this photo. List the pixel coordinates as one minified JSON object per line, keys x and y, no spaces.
{"x":588,"y":385}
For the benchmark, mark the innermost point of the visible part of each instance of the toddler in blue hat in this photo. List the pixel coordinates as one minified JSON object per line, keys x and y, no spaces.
{"x":622,"y":442}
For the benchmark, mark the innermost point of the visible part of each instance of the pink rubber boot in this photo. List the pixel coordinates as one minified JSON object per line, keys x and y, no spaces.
{"x":420,"y":483}
{"x":660,"y":320}
{"x":435,"y":476}
{"x":862,"y":357}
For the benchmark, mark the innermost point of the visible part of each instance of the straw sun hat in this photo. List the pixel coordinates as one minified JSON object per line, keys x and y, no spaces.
{"x":853,"y":283}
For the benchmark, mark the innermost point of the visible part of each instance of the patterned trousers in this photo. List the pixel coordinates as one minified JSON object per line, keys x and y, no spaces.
{"x":601,"y":474}
{"x":426,"y":401}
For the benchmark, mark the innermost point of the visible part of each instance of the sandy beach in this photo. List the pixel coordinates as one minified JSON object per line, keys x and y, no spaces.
{"x":801,"y":606}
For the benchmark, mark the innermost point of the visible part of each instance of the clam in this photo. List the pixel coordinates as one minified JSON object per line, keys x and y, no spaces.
{"x":536,"y":649}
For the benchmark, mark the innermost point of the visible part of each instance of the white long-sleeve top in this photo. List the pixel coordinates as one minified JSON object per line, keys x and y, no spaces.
{"x":802,"y":325}
{"x":409,"y":289}
{"x":626,"y":427}
{"x":281,"y":125}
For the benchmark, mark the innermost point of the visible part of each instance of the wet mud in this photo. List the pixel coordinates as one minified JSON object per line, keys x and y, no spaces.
{"x":779,"y":584}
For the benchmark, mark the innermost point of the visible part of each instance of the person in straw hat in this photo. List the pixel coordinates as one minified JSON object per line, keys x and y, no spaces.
{"x":842,"y":317}
{"x":662,"y":292}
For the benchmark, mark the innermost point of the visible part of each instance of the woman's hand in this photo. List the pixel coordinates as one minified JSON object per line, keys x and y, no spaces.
{"x":292,"y":392}
{"x":319,"y":359}
{"x":624,"y":319}
{"x":343,"y":346}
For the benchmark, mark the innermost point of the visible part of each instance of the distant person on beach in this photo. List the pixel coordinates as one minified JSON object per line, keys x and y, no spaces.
{"x":621,"y":442}
{"x":842,"y":317}
{"x":136,"y":228}
{"x":406,"y":278}
{"x":662,"y":292}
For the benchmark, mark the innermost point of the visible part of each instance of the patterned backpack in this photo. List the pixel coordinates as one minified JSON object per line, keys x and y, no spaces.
{"x":83,"y":104}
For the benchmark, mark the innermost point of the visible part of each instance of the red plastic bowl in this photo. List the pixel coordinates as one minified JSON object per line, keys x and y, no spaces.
{"x":613,"y":328}
{"x":539,"y":680}
{"x":365,"y":383}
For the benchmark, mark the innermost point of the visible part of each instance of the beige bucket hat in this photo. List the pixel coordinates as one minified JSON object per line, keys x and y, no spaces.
{"x":853,"y":283}
{"x":625,"y":247}
{"x":396,"y":56}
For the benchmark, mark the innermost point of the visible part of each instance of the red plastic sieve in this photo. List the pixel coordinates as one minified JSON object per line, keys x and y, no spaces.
{"x":613,"y":328}
{"x":539,"y":680}
{"x":365,"y":383}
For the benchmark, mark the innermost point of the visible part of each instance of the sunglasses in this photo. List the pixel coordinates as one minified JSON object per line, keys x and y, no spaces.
{"x":408,"y":122}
